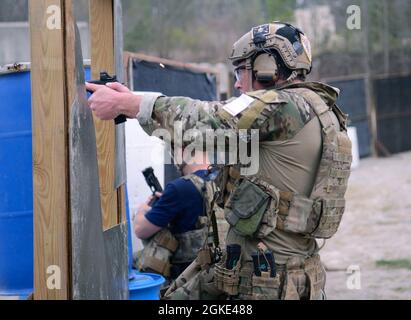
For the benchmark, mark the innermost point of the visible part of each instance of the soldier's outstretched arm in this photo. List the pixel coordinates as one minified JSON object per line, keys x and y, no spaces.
{"x":272,"y":112}
{"x":165,"y":112}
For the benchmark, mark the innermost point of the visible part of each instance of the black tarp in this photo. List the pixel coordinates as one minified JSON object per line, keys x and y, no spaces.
{"x":173,"y":81}
{"x":393,"y":105}
{"x":352,"y":101}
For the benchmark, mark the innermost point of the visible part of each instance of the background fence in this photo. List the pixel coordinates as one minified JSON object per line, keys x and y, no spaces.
{"x":391,"y":98}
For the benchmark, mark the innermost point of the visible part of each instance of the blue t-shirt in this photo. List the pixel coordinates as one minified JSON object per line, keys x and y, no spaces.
{"x":180,"y":205}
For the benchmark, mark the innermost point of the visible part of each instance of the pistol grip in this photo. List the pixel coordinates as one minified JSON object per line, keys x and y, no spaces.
{"x":120,"y":119}
{"x":152,"y":201}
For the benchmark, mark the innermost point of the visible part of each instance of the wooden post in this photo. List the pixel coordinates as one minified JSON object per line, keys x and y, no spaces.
{"x":102,"y":58}
{"x":53,"y":87}
{"x":50,"y":42}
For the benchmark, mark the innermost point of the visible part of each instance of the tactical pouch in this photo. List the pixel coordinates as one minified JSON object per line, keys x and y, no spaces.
{"x":316,"y":277}
{"x":304,"y":278}
{"x":298,"y":215}
{"x":155,"y":259}
{"x":225,"y":279}
{"x":164,"y":238}
{"x":157,"y":253}
{"x":245,"y":284}
{"x":246,"y":207}
{"x":330,"y":213}
{"x":265,"y":287}
{"x":190,"y":243}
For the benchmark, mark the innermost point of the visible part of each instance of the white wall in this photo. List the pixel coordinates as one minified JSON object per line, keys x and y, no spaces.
{"x":142,"y":151}
{"x":352,"y":134}
{"x":15,"y":41}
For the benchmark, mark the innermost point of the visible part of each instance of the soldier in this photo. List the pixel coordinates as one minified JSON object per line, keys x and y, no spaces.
{"x":297,"y":195}
{"x":176,"y":226}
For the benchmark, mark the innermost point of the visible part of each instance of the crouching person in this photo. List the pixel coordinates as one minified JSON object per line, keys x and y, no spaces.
{"x":177,"y":228}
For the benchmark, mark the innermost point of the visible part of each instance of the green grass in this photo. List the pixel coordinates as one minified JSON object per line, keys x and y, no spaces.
{"x":395,"y":264}
{"x":386,"y":208}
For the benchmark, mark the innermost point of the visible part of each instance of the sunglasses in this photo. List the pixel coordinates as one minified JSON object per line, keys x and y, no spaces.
{"x":238,"y":72}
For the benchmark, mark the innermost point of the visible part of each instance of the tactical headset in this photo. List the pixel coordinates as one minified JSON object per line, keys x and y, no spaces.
{"x":264,"y":66}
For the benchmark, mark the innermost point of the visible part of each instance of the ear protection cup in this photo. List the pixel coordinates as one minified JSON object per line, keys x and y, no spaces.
{"x":265,"y":68}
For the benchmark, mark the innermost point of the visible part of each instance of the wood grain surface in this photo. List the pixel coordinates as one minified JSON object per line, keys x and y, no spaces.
{"x":50,"y":152}
{"x":102,"y":59}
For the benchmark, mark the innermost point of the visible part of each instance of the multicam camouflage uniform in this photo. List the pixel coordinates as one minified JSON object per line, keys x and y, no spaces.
{"x":290,"y":153}
{"x":297,"y":194}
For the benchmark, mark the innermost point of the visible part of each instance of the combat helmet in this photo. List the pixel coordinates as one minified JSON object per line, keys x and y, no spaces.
{"x":256,"y":46}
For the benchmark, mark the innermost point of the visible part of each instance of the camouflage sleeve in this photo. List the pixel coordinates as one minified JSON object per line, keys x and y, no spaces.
{"x":166,"y":112}
{"x":193,"y":114}
{"x":277,"y":116}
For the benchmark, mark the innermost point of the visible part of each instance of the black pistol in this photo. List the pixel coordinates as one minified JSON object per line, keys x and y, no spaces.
{"x":106,"y":78}
{"x":153,"y":183}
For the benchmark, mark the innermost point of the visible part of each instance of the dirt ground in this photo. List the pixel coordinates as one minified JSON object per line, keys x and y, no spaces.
{"x":370,"y":255}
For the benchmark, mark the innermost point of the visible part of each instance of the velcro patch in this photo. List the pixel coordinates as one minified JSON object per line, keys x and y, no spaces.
{"x":238,"y":105}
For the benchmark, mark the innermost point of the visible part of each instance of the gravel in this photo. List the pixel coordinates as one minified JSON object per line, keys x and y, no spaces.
{"x":376,"y":227}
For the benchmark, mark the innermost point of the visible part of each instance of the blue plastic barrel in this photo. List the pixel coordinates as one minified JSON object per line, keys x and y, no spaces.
{"x":145,"y":286}
{"x":16,"y":185}
{"x":142,"y":286}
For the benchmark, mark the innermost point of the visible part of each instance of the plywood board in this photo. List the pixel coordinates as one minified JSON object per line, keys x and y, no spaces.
{"x":102,"y":58}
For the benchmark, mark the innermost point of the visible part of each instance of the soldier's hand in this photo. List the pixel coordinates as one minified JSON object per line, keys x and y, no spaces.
{"x":158,"y":194}
{"x":110,"y":100}
{"x":143,"y":208}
